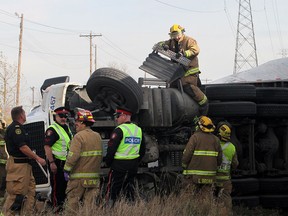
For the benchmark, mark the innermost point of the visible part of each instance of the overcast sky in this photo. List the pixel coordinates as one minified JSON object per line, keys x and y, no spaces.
{"x":52,"y":45}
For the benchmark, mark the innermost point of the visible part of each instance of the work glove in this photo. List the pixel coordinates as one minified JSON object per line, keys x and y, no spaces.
{"x":179,"y":55}
{"x":66,"y":176}
{"x":165,"y":47}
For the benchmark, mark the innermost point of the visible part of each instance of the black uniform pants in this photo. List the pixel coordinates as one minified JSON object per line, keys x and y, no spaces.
{"x":122,"y":184}
{"x":59,"y":184}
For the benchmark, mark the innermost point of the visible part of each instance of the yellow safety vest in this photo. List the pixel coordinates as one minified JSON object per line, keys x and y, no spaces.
{"x":228,"y":150}
{"x":61,"y":146}
{"x":130,"y":144}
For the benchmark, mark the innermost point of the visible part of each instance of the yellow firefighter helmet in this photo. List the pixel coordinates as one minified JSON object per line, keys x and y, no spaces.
{"x":176,"y":28}
{"x":206,"y":124}
{"x":224,"y":132}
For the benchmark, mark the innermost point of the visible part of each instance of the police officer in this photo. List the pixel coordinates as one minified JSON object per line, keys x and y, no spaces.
{"x":83,"y":163}
{"x":126,"y":148}
{"x":187,"y":47}
{"x":20,"y":181}
{"x":229,"y":162}
{"x":201,"y":157}
{"x":57,"y":139}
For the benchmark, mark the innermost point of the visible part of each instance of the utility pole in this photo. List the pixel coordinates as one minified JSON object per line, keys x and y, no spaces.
{"x":95,"y":60}
{"x":33,"y":91}
{"x":91,"y":46}
{"x":245,"y":52}
{"x":19,"y":61}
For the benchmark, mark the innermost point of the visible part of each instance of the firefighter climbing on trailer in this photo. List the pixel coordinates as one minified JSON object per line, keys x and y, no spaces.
{"x":187,"y":47}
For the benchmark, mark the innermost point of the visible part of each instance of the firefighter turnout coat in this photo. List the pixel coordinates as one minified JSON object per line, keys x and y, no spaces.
{"x":189,"y":46}
{"x":83,"y":163}
{"x":201,"y":157}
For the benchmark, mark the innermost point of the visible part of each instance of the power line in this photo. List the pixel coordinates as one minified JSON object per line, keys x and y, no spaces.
{"x":268,"y":26}
{"x":121,"y":50}
{"x":276,"y":16}
{"x":229,"y":18}
{"x":185,"y":9}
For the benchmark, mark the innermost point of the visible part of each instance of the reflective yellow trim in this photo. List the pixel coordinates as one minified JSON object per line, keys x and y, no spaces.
{"x":2,"y":161}
{"x":222,"y":177}
{"x":2,"y":142}
{"x":84,"y":175}
{"x":206,"y":153}
{"x":199,"y":172}
{"x":188,"y":53}
{"x":192,"y":71}
{"x":67,"y":168}
{"x":203,"y":101}
{"x":91,"y":153}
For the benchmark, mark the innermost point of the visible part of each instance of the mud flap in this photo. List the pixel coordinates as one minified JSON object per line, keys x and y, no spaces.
{"x":162,"y":68}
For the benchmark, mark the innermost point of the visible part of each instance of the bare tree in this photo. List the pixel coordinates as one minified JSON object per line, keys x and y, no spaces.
{"x":121,"y":67}
{"x":8,"y":85}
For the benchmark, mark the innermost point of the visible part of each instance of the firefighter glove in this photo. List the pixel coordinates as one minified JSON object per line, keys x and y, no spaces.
{"x":178,"y":55}
{"x":66,"y":176}
{"x":165,"y":47}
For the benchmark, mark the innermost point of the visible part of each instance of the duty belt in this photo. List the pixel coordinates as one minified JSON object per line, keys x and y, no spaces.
{"x":21,"y":160}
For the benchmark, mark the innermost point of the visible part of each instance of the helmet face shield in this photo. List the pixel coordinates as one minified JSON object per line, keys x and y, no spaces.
{"x":206,"y":124}
{"x":224,"y":132}
{"x":175,"y":34}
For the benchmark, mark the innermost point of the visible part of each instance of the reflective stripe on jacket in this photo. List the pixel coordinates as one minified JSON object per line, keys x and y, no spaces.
{"x":61,"y":146}
{"x":201,"y":157}
{"x":190,"y":48}
{"x":129,"y":146}
{"x":85,"y":155}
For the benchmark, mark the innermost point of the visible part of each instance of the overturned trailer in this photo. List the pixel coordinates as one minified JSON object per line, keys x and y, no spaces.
{"x":258,"y":112}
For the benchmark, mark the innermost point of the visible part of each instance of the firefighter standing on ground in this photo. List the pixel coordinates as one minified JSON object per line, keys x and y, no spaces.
{"x":126,"y":148}
{"x":3,"y":159}
{"x":20,"y":181}
{"x":186,"y":46}
{"x":83,"y":163}
{"x":229,"y":161}
{"x":57,"y":139}
{"x":201,"y":157}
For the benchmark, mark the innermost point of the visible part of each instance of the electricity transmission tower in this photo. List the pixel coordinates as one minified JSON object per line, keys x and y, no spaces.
{"x":245,"y":52}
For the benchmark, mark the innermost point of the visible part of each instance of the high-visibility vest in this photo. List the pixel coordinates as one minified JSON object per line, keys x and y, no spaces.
{"x":228,"y":150}
{"x":61,"y":146}
{"x":130,"y":144}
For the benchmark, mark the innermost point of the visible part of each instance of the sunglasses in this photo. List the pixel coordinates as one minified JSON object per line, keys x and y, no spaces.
{"x":117,"y":115}
{"x":63,"y":115}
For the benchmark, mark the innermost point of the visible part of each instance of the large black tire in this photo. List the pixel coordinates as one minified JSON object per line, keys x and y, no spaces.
{"x":112,"y":88}
{"x":231,"y":92}
{"x":245,"y":186}
{"x":272,"y":110}
{"x":249,"y":201}
{"x":232,"y":109}
{"x":274,"y":185}
{"x":274,"y":201}
{"x":271,"y":95}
